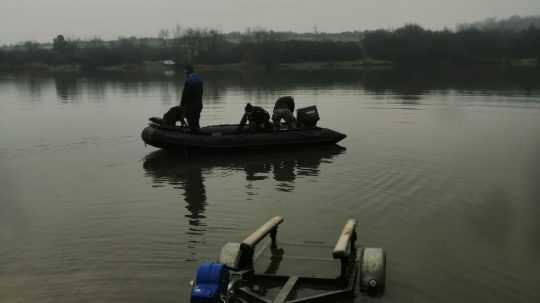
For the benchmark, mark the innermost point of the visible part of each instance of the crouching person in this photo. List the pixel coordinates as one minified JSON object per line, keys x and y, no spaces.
{"x":283,"y":109}
{"x":173,"y":115}
{"x":258,"y":118}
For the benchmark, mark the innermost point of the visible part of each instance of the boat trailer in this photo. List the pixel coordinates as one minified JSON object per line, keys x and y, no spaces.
{"x":247,"y":272}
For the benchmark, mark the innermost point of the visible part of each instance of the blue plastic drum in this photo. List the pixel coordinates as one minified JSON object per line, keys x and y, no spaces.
{"x":212,"y":280}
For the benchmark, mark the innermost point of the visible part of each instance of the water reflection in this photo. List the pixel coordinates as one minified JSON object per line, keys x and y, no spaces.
{"x":404,"y":84}
{"x":187,"y":173}
{"x":165,"y":91}
{"x":67,"y":88}
{"x":168,"y":167}
{"x":32,"y":86}
{"x":408,"y":83}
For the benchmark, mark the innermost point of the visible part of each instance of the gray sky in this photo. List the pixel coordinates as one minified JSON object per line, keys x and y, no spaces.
{"x":41,"y":20}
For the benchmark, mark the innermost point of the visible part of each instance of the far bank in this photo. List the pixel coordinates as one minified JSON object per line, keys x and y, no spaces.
{"x":159,"y":67}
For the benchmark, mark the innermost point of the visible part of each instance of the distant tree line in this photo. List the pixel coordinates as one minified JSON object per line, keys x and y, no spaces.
{"x":269,"y":48}
{"x":413,"y":44}
{"x":88,"y":54}
{"x":514,"y":23}
{"x":199,"y":46}
{"x":410,"y":44}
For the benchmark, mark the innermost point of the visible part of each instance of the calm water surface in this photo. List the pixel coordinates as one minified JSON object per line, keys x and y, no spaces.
{"x":441,"y":168}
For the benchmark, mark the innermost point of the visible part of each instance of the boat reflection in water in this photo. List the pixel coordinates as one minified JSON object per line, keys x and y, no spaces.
{"x":188,"y":174}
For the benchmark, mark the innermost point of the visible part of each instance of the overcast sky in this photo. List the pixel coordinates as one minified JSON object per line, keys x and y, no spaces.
{"x":41,"y":20}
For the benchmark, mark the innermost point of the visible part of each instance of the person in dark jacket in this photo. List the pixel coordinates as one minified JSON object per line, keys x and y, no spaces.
{"x":192,"y":98}
{"x":173,"y":115}
{"x":258,"y":118}
{"x":284,"y":109}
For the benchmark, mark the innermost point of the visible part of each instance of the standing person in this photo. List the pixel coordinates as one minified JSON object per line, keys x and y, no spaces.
{"x":192,"y":98}
{"x":284,"y":109}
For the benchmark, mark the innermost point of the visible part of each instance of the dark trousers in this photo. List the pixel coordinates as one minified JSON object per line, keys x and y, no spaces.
{"x":193,"y":115}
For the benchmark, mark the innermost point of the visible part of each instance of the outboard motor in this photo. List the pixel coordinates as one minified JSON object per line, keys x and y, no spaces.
{"x":308,"y":116}
{"x":211,"y":283}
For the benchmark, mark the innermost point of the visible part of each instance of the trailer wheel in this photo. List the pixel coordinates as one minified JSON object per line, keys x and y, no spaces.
{"x":373,"y":271}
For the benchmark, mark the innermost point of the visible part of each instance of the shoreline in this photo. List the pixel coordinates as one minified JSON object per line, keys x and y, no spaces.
{"x":159,"y":67}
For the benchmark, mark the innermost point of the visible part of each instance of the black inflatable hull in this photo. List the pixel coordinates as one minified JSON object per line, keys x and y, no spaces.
{"x":224,"y":137}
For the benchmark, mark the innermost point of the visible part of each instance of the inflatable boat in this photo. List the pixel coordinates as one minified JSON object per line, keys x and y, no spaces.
{"x":227,"y":137}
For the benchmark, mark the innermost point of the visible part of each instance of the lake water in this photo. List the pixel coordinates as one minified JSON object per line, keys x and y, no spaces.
{"x":440,"y":168}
